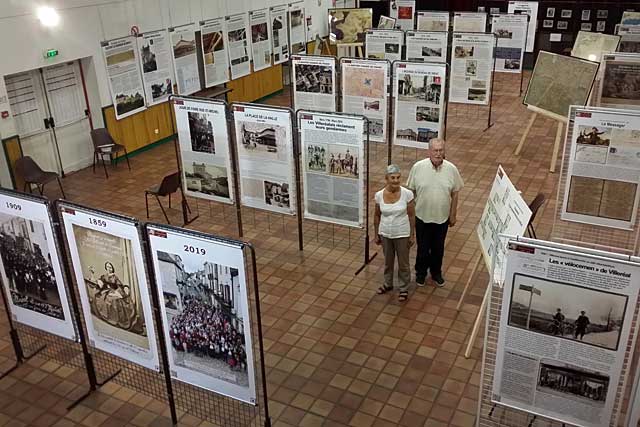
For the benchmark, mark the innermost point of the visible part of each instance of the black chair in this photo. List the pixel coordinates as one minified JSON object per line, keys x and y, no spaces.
{"x":535,"y":205}
{"x":169,"y":185}
{"x":104,"y":145}
{"x":31,"y":173}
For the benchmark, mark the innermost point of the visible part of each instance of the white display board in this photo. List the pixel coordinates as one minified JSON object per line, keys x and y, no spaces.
{"x":511,"y":34}
{"x":214,"y":52}
{"x":202,"y":289}
{"x":471,"y":68}
{"x":238,"y":45}
{"x":260,"y":39}
{"x":419,"y":107}
{"x":264,"y":141}
{"x":30,"y":267}
{"x":470,"y":22}
{"x":205,"y":161}
{"x":185,"y":59}
{"x":297,"y":29}
{"x":564,"y":329}
{"x":403,"y":11}
{"x":364,"y":91}
{"x":109,"y":269}
{"x":604,"y":168}
{"x":528,"y":8}
{"x":617,"y":70}
{"x":333,"y":166}
{"x":629,"y":39}
{"x":424,"y":46}
{"x":156,"y":65}
{"x":384,"y":44}
{"x":432,"y":21}
{"x":314,"y":82}
{"x":279,"y":33}
{"x":123,"y":75}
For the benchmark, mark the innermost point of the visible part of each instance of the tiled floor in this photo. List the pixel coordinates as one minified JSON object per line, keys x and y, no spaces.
{"x":337,"y":354}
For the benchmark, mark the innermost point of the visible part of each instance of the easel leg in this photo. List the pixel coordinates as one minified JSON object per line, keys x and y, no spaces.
{"x":468,"y":284}
{"x":476,"y":325}
{"x":556,"y":147}
{"x":526,"y":134}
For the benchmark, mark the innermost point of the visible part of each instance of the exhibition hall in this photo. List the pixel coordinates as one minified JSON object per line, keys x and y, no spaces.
{"x":320,"y":213}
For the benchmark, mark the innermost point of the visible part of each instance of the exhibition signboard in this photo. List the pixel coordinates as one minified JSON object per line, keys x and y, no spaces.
{"x":106,"y":256}
{"x":604,"y":168}
{"x":511,"y":34}
{"x":565,"y":327}
{"x":214,"y":52}
{"x":383,"y":44}
{"x":472,"y":60}
{"x":123,"y":75}
{"x":364,"y":91}
{"x":279,"y":34}
{"x":202,"y":290}
{"x":30,"y":267}
{"x":469,"y":22}
{"x":629,"y":39}
{"x":297,"y":29}
{"x":264,"y":141}
{"x":185,"y":60}
{"x":334,"y":176}
{"x":432,"y":21}
{"x":618,"y":70}
{"x":155,"y":62}
{"x":238,"y":45}
{"x":527,"y":8}
{"x":314,"y":82}
{"x":419,"y":108}
{"x":592,"y":46}
{"x":203,"y":137}
{"x":260,"y":39}
{"x":425,"y":46}
{"x":403,"y":12}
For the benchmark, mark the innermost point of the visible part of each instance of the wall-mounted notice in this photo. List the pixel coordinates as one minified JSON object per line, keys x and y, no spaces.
{"x":202,"y":289}
{"x":279,"y":34}
{"x":432,"y":21}
{"x":265,"y":158}
{"x":314,"y":79}
{"x":157,"y":69}
{"x":564,"y":330}
{"x":527,"y":8}
{"x":297,"y":29}
{"x":333,"y":159}
{"x":214,"y":52}
{"x":426,"y":47}
{"x":469,"y":22}
{"x":364,"y":91}
{"x":204,"y":149}
{"x":384,"y":44}
{"x":471,"y":68}
{"x":109,"y":268}
{"x":123,"y":72}
{"x":617,"y":71}
{"x":238,"y":45}
{"x":403,"y":11}
{"x":511,"y":32}
{"x":185,"y":61}
{"x":260,"y":41}
{"x":30,"y":268}
{"x":419,"y":107}
{"x":604,"y":169}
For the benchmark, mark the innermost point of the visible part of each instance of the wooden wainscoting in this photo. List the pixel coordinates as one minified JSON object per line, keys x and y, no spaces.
{"x":256,"y":85}
{"x":13,"y":151}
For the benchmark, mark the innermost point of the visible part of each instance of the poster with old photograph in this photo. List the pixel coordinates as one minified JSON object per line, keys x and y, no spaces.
{"x":265,"y":158}
{"x":432,"y":21}
{"x":629,"y":39}
{"x":279,"y":34}
{"x":558,"y":82}
{"x":214,"y":52}
{"x":185,"y":59}
{"x":238,"y":45}
{"x":30,"y":268}
{"x":469,"y":22}
{"x":384,"y":44}
{"x":364,"y":92}
{"x":403,"y":12}
{"x":260,"y":39}
{"x":123,"y":75}
{"x":203,"y":139}
{"x":530,"y":8}
{"x":630,"y":18}
{"x":604,"y":168}
{"x":419,"y":107}
{"x":109,"y":269}
{"x":592,"y":46}
{"x":471,"y":68}
{"x":297,"y":29}
{"x":511,"y":34}
{"x":333,"y":166}
{"x":157,"y":69}
{"x":386,"y":23}
{"x":620,"y":84}
{"x":314,"y":82}
{"x":424,"y":46}
{"x":348,"y":26}
{"x":565,"y":325}
{"x":202,"y":289}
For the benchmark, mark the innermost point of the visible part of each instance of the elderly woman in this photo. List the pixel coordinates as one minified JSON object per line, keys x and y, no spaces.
{"x":395,"y":226}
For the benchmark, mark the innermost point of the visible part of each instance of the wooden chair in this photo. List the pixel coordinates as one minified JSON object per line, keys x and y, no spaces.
{"x":104,"y":145}
{"x":535,"y":205}
{"x":169,"y":185}
{"x":31,"y":173}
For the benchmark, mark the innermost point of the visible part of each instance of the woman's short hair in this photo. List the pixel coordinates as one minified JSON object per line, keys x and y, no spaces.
{"x":391,"y":169}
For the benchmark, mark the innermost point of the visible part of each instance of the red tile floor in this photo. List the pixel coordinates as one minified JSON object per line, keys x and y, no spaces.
{"x":337,"y":354}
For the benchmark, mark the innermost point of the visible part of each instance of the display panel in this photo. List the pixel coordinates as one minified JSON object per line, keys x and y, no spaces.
{"x":469,"y":22}
{"x":629,"y":39}
{"x":260,"y":39}
{"x":592,"y":46}
{"x":185,"y":60}
{"x":297,"y":30}
{"x":348,"y":26}
{"x":426,"y":47}
{"x":30,"y":267}
{"x":156,"y":65}
{"x":279,"y":34}
{"x":471,"y":68}
{"x":214,"y":52}
{"x":403,"y":11}
{"x":333,"y":165}
{"x":202,"y":289}
{"x":511,"y":33}
{"x":432,"y":21}
{"x":109,"y":268}
{"x":238,"y":45}
{"x":203,"y":138}
{"x":386,"y":23}
{"x":419,"y":103}
{"x":314,"y":80}
{"x":619,"y":82}
{"x":384,"y":44}
{"x":528,"y":8}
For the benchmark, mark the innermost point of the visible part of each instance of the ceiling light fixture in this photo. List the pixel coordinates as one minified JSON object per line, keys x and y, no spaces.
{"x":48,"y":16}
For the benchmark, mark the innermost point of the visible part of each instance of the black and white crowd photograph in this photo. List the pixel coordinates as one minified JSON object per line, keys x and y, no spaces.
{"x":317,"y":157}
{"x":569,"y":381}
{"x":201,"y":131}
{"x":343,"y":161}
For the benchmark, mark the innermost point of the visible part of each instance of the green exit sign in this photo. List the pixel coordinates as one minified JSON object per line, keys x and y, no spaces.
{"x":50,"y":53}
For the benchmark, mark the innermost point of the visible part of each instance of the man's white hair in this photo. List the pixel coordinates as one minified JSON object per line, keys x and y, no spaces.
{"x":434,"y":140}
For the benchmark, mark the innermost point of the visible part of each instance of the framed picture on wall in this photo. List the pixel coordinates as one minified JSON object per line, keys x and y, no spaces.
{"x":563,"y":25}
{"x":586,"y":15}
{"x":601,"y":26}
{"x":602,"y":14}
{"x":566,"y":13}
{"x":547,"y":23}
{"x":585,"y":26}
{"x":551,"y":12}
{"x":494,"y":10}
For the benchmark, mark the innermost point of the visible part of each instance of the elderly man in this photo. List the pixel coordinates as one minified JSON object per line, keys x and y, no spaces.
{"x":435,"y":183}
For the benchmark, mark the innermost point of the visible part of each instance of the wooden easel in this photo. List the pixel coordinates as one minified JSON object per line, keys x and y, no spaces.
{"x":350,"y":50}
{"x":556,"y":143}
{"x":476,"y":324}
